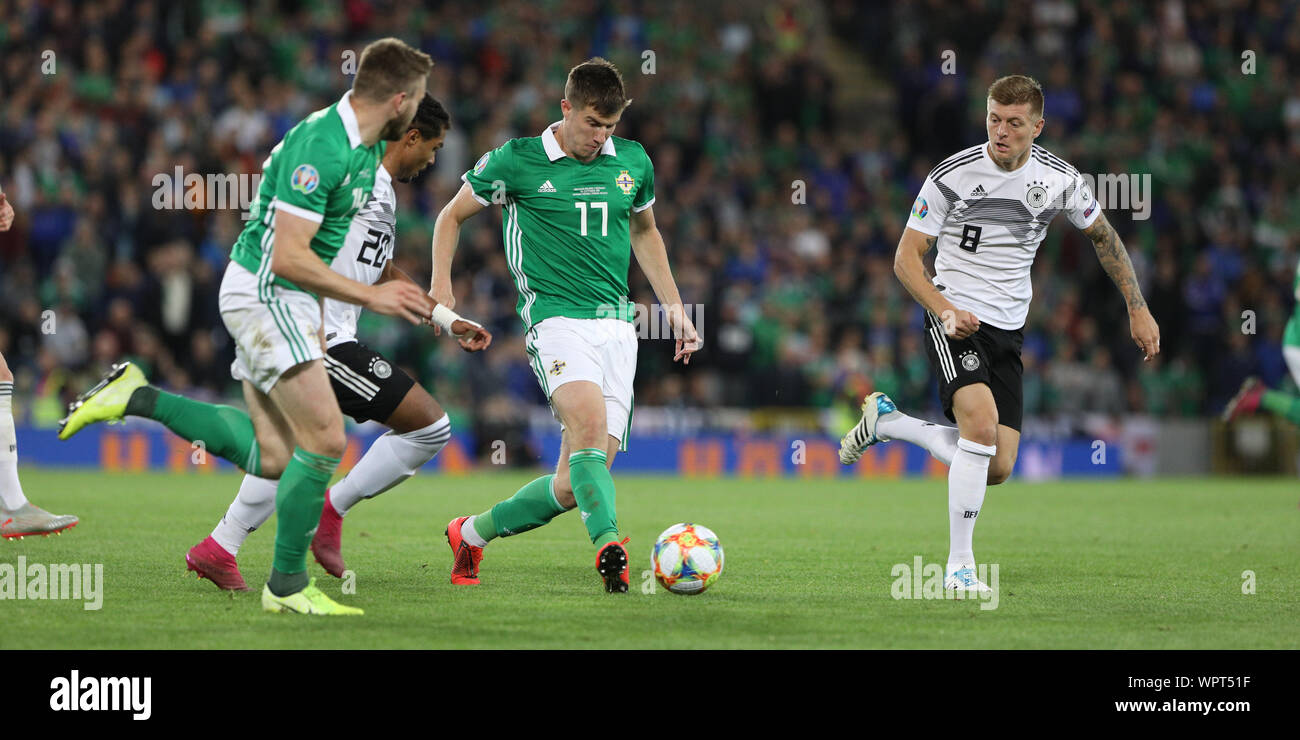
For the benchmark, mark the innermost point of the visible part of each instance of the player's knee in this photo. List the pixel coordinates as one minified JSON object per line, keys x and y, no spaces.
{"x":271,"y":464}
{"x":564,"y":492}
{"x":417,"y":411}
{"x":6,"y":376}
{"x":334,"y":444}
{"x":982,"y":430}
{"x":431,"y":424}
{"x":328,"y":441}
{"x":998,"y":474}
{"x":587,"y":433}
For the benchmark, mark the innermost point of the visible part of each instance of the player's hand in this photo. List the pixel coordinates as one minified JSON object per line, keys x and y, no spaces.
{"x":1145,"y":332}
{"x":441,"y":292}
{"x":472,"y":337}
{"x":688,"y":340}
{"x":401,"y":299}
{"x":959,"y":324}
{"x":6,"y":213}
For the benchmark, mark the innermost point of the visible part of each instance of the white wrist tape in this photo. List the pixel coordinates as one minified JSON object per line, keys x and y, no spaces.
{"x":443,"y":317}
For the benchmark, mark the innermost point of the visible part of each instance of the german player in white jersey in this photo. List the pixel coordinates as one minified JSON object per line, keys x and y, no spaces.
{"x":18,"y":517}
{"x":366,"y":384}
{"x":986,"y":209}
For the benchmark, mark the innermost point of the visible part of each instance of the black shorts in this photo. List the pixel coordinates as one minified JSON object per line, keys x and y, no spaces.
{"x":990,"y":355}
{"x":366,"y":385}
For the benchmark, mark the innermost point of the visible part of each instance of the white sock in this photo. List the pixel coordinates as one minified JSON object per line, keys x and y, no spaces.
{"x":11,"y":491}
{"x":390,"y":460}
{"x":940,"y":440}
{"x":250,"y":510}
{"x":470,"y":534}
{"x":967,"y":480}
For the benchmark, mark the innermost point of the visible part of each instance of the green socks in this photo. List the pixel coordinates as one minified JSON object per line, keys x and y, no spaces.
{"x":593,"y":487}
{"x":1282,"y":404}
{"x":298,"y":501}
{"x":535,"y":504}
{"x":225,"y":431}
{"x":283,"y":584}
{"x":530,"y":507}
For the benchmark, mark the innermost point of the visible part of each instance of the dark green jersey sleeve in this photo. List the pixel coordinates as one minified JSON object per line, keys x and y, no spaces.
{"x":491,"y":177}
{"x":645,"y":195}
{"x":308,"y":170}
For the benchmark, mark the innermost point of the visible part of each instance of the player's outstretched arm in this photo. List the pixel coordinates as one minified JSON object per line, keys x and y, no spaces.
{"x":909,"y":266}
{"x":293,"y":260}
{"x":1114,"y":260}
{"x":470,"y":334}
{"x":652,"y":256}
{"x":446,"y":232}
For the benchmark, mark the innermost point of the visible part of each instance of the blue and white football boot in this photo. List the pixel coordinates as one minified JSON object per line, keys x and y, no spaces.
{"x":862,"y":436}
{"x":963,"y":580}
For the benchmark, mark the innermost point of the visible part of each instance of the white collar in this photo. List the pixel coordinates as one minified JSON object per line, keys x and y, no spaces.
{"x":382,"y":174}
{"x":554,"y":151}
{"x":349,"y":117}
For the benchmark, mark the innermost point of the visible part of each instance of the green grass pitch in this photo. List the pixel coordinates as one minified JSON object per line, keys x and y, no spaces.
{"x":1082,"y":564}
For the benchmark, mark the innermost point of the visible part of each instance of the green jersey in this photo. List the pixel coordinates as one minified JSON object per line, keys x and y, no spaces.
{"x":567,"y":223}
{"x":320,"y":171}
{"x":1291,"y":335}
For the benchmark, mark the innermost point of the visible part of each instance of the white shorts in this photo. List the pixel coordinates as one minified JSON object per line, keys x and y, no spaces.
{"x":603,"y":351}
{"x":274,"y":329}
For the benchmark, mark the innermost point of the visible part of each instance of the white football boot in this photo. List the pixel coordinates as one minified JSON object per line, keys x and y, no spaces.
{"x":963,"y":581}
{"x":29,"y":520}
{"x":863,"y":435}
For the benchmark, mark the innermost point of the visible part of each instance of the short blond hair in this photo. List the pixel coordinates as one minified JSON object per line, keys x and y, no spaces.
{"x":388,"y":66}
{"x":1017,"y":89}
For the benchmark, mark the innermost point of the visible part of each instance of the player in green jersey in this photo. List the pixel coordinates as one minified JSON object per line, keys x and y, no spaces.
{"x":313,"y":183}
{"x":1254,"y":395}
{"x":577,"y":201}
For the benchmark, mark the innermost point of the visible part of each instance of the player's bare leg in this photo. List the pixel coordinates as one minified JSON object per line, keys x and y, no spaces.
{"x":882,"y":422}
{"x":304,"y":399}
{"x":968,"y":475}
{"x":563,"y":486}
{"x":18,"y":516}
{"x":419,"y":430}
{"x":581,"y":407}
{"x":1004,"y":461}
{"x":214,"y":557}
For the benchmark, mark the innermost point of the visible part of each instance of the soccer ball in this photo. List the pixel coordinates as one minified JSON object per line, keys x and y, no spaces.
{"x":687,"y":558}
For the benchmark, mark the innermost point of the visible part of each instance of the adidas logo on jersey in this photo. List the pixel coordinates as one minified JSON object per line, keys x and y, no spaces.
{"x":546,"y":187}
{"x":978,"y":192}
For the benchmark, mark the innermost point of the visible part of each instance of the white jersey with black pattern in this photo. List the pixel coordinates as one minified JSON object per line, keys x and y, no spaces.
{"x":989,"y":224}
{"x":367,"y":248}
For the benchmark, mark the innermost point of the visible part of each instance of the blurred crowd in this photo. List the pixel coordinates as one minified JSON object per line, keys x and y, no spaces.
{"x":789,"y":139}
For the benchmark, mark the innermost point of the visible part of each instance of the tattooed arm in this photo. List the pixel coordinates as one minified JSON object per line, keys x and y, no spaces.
{"x":1114,"y":260}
